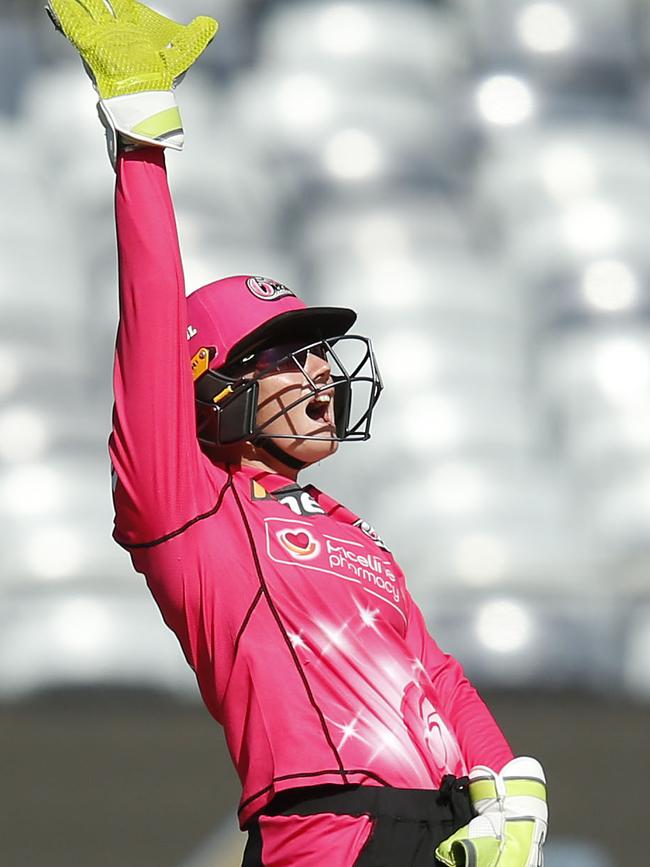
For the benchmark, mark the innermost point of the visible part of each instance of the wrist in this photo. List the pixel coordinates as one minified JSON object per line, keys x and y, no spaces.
{"x":511,"y":819}
{"x":149,"y":118}
{"x":523,"y":776}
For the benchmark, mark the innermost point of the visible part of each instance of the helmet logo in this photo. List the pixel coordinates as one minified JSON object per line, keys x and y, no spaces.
{"x":266,"y":289}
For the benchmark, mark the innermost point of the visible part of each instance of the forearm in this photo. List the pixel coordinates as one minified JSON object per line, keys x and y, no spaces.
{"x":481,"y":740}
{"x":153,"y":447}
{"x":479,"y":737}
{"x":151,"y":283}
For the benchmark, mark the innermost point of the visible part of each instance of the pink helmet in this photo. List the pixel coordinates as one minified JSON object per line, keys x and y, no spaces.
{"x":238,"y":315}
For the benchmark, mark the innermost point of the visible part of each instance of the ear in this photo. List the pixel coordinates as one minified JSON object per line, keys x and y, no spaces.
{"x":225,"y":415}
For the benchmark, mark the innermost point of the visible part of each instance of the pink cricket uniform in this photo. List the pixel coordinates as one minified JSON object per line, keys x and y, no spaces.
{"x":306,"y":644}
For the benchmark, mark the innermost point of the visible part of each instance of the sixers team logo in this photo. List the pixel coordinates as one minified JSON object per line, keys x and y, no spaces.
{"x":437,"y":746}
{"x":267,"y":290}
{"x":300,"y":544}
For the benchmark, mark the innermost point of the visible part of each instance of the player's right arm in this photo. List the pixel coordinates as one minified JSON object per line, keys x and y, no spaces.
{"x":160,"y":479}
{"x":134,"y":57}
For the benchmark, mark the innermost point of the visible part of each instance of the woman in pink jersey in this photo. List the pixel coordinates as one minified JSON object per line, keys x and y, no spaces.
{"x":356,"y":739}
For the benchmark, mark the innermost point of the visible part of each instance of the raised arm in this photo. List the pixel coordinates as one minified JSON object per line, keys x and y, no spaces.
{"x":160,"y":479}
{"x":134,"y":57}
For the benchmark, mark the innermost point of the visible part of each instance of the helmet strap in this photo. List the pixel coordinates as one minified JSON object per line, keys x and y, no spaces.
{"x":273,"y":449}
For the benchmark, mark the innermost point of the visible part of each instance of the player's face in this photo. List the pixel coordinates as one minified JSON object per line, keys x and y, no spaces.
{"x":310,"y":418}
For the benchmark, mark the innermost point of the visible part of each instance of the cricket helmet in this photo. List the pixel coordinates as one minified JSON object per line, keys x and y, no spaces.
{"x":233,"y":319}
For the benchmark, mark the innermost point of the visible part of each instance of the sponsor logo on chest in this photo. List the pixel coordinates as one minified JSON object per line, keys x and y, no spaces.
{"x":299,"y":544}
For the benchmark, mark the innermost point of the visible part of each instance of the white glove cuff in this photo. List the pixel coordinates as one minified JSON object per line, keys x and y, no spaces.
{"x":150,"y":117}
{"x":518,"y":790}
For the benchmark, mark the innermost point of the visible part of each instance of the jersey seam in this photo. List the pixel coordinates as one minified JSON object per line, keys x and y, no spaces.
{"x":278,"y":620}
{"x":246,"y":621}
{"x":131,"y":546}
{"x":305,"y":774}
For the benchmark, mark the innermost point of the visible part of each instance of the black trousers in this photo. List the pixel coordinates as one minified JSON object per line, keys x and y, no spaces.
{"x":408,"y":824}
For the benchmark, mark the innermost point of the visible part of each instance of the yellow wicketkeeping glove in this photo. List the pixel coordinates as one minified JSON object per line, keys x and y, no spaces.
{"x":510,"y":828}
{"x":134,"y":56}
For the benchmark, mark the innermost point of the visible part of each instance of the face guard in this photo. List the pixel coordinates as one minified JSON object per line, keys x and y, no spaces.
{"x":227,"y":399}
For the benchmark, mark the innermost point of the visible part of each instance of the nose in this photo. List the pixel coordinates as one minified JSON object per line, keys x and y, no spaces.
{"x":318,"y":367}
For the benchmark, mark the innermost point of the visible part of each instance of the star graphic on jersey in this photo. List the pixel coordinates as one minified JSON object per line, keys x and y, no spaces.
{"x":349,"y":730}
{"x":335,"y":637}
{"x":368,"y":617}
{"x":297,"y":641}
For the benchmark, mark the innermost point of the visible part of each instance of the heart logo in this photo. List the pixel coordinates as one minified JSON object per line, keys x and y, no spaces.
{"x":299,"y":543}
{"x":300,"y":540}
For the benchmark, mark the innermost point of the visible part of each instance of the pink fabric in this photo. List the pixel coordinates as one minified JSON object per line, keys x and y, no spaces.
{"x":305,"y":642}
{"x":311,"y":841}
{"x":224,"y":312}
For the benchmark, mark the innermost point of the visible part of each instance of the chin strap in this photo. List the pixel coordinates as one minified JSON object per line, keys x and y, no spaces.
{"x":269,"y":446}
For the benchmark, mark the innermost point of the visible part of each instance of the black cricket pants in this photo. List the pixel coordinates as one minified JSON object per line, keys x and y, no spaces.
{"x":407,"y":824}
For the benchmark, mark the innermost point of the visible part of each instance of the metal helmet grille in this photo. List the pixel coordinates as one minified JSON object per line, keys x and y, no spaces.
{"x":354,"y":382}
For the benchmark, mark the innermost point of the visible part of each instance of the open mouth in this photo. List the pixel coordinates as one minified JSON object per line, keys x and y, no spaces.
{"x":318,"y":408}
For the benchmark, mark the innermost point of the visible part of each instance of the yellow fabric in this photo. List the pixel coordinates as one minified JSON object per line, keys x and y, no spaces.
{"x":482,"y":790}
{"x":510,"y":826}
{"x":159,"y":124}
{"x":513,"y":850}
{"x":529,"y":788}
{"x":485,"y":790}
{"x":131,"y":48}
{"x":459,"y":851}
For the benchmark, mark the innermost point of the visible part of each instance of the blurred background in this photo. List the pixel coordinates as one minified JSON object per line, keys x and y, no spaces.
{"x":471,"y":176}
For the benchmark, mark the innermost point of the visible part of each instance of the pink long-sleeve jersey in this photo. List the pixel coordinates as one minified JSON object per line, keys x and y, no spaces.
{"x":306,"y":645}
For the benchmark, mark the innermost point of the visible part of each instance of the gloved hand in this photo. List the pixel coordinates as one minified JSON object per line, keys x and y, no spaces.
{"x":511,"y":826}
{"x":135,"y":57}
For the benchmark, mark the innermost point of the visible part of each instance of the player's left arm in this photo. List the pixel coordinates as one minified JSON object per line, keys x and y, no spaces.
{"x":508,"y":794}
{"x":481,"y":740}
